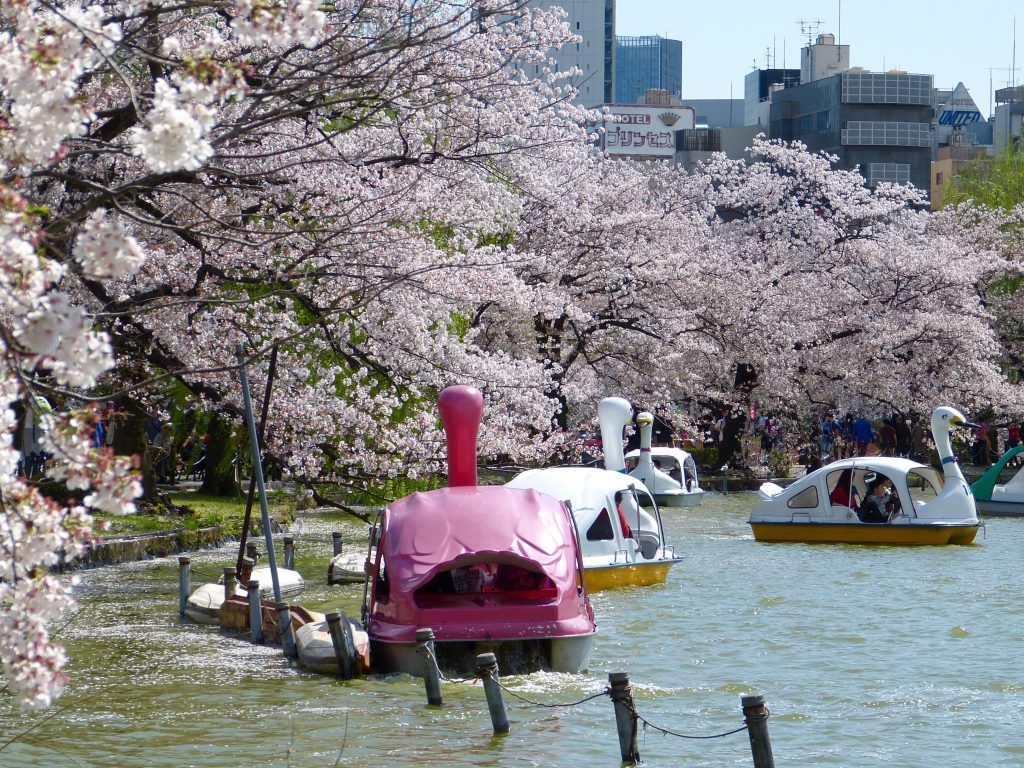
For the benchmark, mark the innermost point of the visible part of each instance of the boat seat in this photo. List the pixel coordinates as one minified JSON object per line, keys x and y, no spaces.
{"x":649,"y":544}
{"x":841,"y":512}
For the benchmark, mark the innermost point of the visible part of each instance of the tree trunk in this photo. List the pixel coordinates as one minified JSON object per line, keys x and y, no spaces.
{"x":219,"y":477}
{"x":130,"y":440}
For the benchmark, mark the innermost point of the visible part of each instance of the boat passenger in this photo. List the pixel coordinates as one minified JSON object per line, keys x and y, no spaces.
{"x":876,"y":505}
{"x":844,"y":495}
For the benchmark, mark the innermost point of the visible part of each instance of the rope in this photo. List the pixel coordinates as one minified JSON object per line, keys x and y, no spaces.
{"x":667,"y":732}
{"x":509,"y":691}
{"x":423,"y":649}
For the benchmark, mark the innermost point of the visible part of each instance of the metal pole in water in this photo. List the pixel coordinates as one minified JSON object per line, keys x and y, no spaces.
{"x":229,"y":582}
{"x":346,"y":667}
{"x":255,"y":610}
{"x":284,"y":625}
{"x":756,"y":715}
{"x":487,"y":670}
{"x":289,"y":553}
{"x":431,"y":675}
{"x":336,"y":542}
{"x":625,"y":720}
{"x":257,"y":469}
{"x":184,"y":583}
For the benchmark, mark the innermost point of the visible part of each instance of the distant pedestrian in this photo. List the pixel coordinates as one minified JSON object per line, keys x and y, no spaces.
{"x":863,"y":435}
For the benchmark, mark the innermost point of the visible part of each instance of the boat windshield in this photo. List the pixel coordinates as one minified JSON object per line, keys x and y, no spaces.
{"x":925,"y":484}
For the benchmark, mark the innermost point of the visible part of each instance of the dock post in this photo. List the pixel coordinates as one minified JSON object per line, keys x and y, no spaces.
{"x":229,"y":582}
{"x":284,"y":626}
{"x":625,"y":717}
{"x":255,"y":610}
{"x":346,"y":667}
{"x":756,"y":715}
{"x":184,"y":583}
{"x":487,"y":670}
{"x":336,"y":542}
{"x":289,"y":553}
{"x":251,"y":551}
{"x":245,"y":573}
{"x":431,"y":674}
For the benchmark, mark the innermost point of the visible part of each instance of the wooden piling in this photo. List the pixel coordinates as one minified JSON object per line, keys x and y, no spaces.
{"x":625,"y":719}
{"x":487,"y":670}
{"x":251,"y":551}
{"x":431,"y":674}
{"x":756,"y":715}
{"x":336,"y":542}
{"x":245,"y":573}
{"x":229,"y":582}
{"x":255,"y":610}
{"x":284,"y":626}
{"x":289,"y":553}
{"x":335,"y":625}
{"x":184,"y":583}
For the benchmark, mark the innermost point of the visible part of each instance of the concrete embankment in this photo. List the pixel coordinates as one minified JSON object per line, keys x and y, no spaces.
{"x":142,"y":546}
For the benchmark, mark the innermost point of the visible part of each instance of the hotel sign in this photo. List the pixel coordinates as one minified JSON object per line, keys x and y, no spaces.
{"x":643,"y":131}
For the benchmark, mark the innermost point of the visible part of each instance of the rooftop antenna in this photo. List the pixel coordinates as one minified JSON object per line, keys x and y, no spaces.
{"x":809,"y":29}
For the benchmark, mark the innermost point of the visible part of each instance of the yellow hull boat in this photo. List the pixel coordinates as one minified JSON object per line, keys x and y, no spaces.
{"x":840,"y":533}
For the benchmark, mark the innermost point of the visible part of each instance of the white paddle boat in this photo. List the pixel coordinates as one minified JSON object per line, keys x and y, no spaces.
{"x":926,"y":506}
{"x":1001,"y":500}
{"x":670,"y":474}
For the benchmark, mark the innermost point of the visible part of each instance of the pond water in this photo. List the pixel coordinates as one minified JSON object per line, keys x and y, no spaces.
{"x":865,"y":655}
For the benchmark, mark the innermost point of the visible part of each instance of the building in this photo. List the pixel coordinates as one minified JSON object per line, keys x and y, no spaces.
{"x":717,"y":113}
{"x":593,"y":55}
{"x":758,"y":87}
{"x":718,"y":128}
{"x":647,"y":63}
{"x":1008,"y":122}
{"x":879,"y":122}
{"x":951,"y":160}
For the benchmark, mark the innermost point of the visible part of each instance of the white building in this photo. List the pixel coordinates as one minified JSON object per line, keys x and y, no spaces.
{"x":593,"y":54}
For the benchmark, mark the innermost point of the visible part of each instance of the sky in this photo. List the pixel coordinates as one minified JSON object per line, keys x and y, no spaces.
{"x":724,"y":40}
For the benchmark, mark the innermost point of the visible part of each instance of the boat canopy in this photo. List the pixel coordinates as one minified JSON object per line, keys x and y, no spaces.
{"x":427,"y":532}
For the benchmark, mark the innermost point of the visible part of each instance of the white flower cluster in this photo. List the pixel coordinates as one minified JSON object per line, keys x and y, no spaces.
{"x":278,"y":25}
{"x":175,"y":138}
{"x":104,"y":249}
{"x":43,"y":56}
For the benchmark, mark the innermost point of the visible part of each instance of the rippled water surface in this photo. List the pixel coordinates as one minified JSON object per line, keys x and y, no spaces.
{"x":865,"y":655}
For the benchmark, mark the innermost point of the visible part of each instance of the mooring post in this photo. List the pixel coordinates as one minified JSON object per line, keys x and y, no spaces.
{"x":184,"y":583}
{"x":756,"y":715}
{"x":289,"y":553}
{"x":625,"y":719}
{"x":284,"y":626}
{"x":336,"y":542}
{"x":245,"y":573}
{"x":229,"y":582}
{"x":346,"y":667}
{"x":487,"y":670}
{"x":251,"y":551}
{"x":431,"y":674}
{"x":255,"y":610}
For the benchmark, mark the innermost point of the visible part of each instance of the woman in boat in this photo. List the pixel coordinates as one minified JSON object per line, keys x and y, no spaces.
{"x":843,"y":494}
{"x":876,"y":506}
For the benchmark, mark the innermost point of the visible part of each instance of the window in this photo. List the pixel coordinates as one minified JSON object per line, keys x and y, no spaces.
{"x":938,"y":178}
{"x":601,"y":528}
{"x":806,"y":499}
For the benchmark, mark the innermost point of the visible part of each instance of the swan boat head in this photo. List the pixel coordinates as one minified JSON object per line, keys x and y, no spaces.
{"x":613,"y":414}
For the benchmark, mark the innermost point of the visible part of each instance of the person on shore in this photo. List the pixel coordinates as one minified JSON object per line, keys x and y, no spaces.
{"x":863,"y":435}
{"x":887,"y":438}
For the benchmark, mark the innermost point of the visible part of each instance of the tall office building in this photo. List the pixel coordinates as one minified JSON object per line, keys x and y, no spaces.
{"x":645,"y":64}
{"x":593,"y":55}
{"x":877,"y":121}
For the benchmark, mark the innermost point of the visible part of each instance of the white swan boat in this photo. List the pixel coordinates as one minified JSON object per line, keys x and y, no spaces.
{"x":620,"y":530}
{"x":927,"y":507}
{"x":1001,"y":499}
{"x":670,"y":474}
{"x":203,"y":605}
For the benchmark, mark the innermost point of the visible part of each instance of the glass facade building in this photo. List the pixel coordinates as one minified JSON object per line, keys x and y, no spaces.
{"x":881,"y":123}
{"x":647,"y":63}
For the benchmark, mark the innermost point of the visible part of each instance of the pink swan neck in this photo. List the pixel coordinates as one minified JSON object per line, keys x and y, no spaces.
{"x":461,"y":408}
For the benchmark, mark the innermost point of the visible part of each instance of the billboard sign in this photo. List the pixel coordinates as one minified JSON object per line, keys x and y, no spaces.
{"x":644,"y":131}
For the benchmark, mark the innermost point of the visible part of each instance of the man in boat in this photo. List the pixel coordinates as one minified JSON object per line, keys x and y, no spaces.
{"x":878,"y":503}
